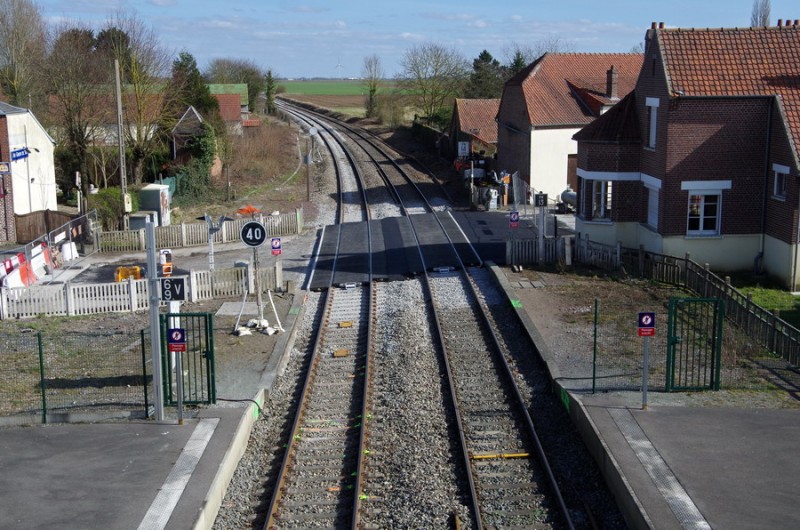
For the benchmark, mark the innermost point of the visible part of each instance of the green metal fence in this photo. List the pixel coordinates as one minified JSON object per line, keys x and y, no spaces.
{"x":44,"y":377}
{"x":611,"y":355}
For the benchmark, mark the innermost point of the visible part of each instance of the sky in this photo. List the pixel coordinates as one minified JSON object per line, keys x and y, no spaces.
{"x":331,"y":38}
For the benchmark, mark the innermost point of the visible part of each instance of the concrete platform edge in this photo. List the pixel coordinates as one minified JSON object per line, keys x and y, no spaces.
{"x":632,"y":509}
{"x":238,"y":445}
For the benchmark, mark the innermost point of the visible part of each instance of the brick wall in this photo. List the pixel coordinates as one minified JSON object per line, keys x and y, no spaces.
{"x":7,"y":224}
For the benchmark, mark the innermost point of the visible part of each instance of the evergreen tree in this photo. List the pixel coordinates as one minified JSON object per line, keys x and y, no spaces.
{"x":486,"y":79}
{"x":270,"y":91}
{"x":191,"y":88}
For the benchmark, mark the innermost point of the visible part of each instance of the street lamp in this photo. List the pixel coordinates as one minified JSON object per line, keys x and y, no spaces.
{"x":213,"y":228}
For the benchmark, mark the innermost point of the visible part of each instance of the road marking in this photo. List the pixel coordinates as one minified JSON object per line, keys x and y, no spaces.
{"x":170,"y":493}
{"x":677,"y":498}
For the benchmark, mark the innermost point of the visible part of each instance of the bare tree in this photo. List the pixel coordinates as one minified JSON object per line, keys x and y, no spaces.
{"x":434,"y":76}
{"x":518,"y":53}
{"x":373,"y":75}
{"x":761,"y":12}
{"x":79,"y":86}
{"x":22,"y":47}
{"x":145,"y":64}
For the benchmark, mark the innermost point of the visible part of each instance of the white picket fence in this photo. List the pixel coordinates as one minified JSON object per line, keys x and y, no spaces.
{"x":196,"y":234}
{"x":131,"y":295}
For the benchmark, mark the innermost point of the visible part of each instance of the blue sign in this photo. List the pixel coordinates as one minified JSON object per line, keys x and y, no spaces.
{"x":513,"y":219}
{"x":19,"y":154}
{"x":647,"y":320}
{"x":276,"y":246}
{"x":176,"y":336}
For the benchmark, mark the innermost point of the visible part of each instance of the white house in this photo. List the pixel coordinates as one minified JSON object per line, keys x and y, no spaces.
{"x":28,"y":150}
{"x":545,"y":104}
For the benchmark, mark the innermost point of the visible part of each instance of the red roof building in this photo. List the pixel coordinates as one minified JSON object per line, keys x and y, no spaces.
{"x":548,"y":102}
{"x":702,"y":157}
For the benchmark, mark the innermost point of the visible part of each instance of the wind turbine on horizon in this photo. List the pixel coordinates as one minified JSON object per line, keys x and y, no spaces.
{"x":338,"y":67}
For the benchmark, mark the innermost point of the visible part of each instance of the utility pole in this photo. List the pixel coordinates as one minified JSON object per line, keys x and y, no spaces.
{"x":123,"y":181}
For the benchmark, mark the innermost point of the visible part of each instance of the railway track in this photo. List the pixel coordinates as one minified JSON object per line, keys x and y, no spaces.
{"x":353,"y":453}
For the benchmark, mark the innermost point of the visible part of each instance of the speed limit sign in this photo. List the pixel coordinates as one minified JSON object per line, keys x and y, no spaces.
{"x":253,"y":234}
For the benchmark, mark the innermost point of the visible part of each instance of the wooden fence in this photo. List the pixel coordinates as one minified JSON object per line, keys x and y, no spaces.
{"x":31,"y":226}
{"x":131,"y":295}
{"x":196,"y":234}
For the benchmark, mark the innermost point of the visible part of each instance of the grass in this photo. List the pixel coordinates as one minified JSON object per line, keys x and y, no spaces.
{"x":767,"y":293}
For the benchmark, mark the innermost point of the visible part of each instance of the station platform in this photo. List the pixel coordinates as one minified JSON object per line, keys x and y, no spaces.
{"x":670,"y":466}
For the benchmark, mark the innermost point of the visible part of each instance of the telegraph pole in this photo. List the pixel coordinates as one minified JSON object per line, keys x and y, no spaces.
{"x":123,"y":181}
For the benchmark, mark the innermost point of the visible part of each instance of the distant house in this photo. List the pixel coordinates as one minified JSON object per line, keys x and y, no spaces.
{"x":548,"y":102}
{"x":27,"y":168}
{"x":474,"y":122}
{"x":702,"y":157}
{"x":234,"y":107}
{"x":189,"y":126}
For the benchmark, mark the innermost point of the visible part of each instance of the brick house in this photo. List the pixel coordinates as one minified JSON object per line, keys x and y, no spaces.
{"x":545,"y":104}
{"x":474,"y":122}
{"x":701,"y":157}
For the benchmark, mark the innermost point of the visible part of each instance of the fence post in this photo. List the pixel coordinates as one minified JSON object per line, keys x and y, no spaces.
{"x":142,"y":245}
{"x":183,"y":235}
{"x":42,"y":379}
{"x":618,"y":256}
{"x":131,"y":294}
{"x":68,"y":299}
{"x":279,"y":275}
{"x":706,"y":272}
{"x":299,"y":219}
{"x":144,"y":373}
{"x":193,"y":286}
{"x":688,"y":259}
{"x":3,"y":302}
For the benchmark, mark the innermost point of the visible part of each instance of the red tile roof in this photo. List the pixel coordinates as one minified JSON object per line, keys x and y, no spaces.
{"x":736,"y":62}
{"x":559,"y":88}
{"x":230,"y":108}
{"x":477,"y":117}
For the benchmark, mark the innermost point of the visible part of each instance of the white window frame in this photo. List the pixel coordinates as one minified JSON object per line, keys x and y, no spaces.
{"x":703,"y":189}
{"x":602,"y":191}
{"x":781,"y":178}
{"x":652,"y":105}
{"x":653,"y":187}
{"x":698,"y":200}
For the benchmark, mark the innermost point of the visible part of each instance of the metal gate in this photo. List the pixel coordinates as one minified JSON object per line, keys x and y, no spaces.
{"x":197,"y":359}
{"x":694,"y":342}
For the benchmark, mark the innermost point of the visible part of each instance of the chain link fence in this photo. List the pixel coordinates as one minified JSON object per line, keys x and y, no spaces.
{"x":52,"y":377}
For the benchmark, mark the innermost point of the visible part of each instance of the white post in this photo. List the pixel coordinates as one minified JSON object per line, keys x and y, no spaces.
{"x":155,"y":327}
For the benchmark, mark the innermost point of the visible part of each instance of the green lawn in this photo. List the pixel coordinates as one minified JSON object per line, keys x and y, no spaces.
{"x":324,"y":87}
{"x":329,"y":87}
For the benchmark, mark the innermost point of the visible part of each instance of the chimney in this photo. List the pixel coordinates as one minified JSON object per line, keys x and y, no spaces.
{"x":611,"y":83}
{"x":780,"y":22}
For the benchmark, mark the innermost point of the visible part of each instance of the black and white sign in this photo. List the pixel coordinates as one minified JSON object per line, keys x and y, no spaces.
{"x":173,"y":289}
{"x":253,"y":234}
{"x":540,"y":199}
